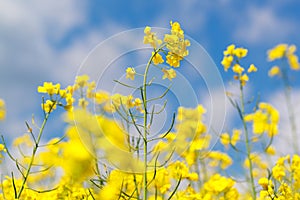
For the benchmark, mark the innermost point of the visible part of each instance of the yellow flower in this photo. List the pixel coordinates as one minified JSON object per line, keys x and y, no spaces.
{"x":225,"y":139}
{"x":264,"y":183}
{"x":293,"y":62}
{"x":173,"y":59}
{"x":252,"y":68}
{"x":237,"y":69}
{"x":274,"y":71}
{"x":81,"y":81}
{"x":244,"y":78}
{"x":168,"y":73}
{"x":49,"y":88}
{"x":229,"y":50}
{"x":157,"y":58}
{"x":277,"y":52}
{"x":271,"y":150}
{"x":2,"y":149}
{"x":101,"y":97}
{"x":240,"y":52}
{"x":235,"y":136}
{"x":150,"y":38}
{"x":48,"y":106}
{"x":2,"y":110}
{"x":226,"y":62}
{"x":130,"y":73}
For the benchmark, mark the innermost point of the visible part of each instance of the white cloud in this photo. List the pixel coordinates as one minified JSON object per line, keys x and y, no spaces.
{"x":27,"y":55}
{"x":262,"y":24}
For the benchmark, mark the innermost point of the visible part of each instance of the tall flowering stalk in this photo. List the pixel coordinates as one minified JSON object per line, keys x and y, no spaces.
{"x":174,"y":46}
{"x":286,"y":53}
{"x":232,"y":56}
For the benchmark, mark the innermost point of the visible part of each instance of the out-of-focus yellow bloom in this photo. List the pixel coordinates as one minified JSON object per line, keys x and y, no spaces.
{"x":252,"y":68}
{"x":219,"y":159}
{"x":271,"y":150}
{"x":227,"y":62}
{"x":264,"y":183}
{"x":81,"y":81}
{"x":2,"y":110}
{"x":274,"y":71}
{"x":151,"y":38}
{"x":293,"y":62}
{"x":101,"y":97}
{"x":265,"y":119}
{"x":235,"y":136}
{"x":225,"y":139}
{"x":83,"y":103}
{"x":168,"y":73}
{"x":2,"y":149}
{"x":49,"y":88}
{"x":130,"y":73}
{"x":218,"y":186}
{"x":23,"y":140}
{"x":277,"y":52}
{"x":157,"y":58}
{"x":285,"y":51}
{"x":244,"y":78}
{"x":49,"y":106}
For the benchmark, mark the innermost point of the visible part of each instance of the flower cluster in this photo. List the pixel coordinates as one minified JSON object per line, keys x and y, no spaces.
{"x":173,"y":46}
{"x":283,"y":51}
{"x":231,"y":59}
{"x":265,"y":120}
{"x":285,"y":176}
{"x":100,"y":157}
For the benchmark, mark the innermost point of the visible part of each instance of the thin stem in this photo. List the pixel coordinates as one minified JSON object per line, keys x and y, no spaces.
{"x":144,"y":97}
{"x":248,"y":148}
{"x":35,"y":148}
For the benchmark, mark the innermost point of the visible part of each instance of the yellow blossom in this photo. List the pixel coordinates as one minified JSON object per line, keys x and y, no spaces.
{"x":274,"y":71}
{"x":81,"y":81}
{"x":237,"y":69}
{"x":157,"y":58}
{"x":130,"y":73}
{"x":49,"y":106}
{"x":277,"y":52}
{"x":227,"y":62}
{"x":168,"y":73}
{"x":173,"y":59}
{"x":229,"y":50}
{"x":244,"y":78}
{"x":252,"y":68}
{"x":225,"y":139}
{"x":240,"y":52}
{"x":150,"y":38}
{"x":49,"y":88}
{"x":2,"y":110}
{"x":270,"y":150}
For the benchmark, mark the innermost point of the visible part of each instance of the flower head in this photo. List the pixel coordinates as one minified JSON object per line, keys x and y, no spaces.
{"x":168,"y":73}
{"x":130,"y":73}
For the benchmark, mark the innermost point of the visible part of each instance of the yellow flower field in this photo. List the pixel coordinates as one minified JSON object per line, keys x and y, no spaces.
{"x":108,"y":150}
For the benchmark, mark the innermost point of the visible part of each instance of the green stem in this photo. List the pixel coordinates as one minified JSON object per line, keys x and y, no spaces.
{"x":35,"y":148}
{"x":247,"y":141}
{"x":144,"y":93}
{"x":287,"y":93}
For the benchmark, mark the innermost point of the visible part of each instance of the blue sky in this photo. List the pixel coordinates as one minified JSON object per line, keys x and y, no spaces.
{"x":47,"y":41}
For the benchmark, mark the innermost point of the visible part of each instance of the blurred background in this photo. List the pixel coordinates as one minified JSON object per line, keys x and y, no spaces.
{"x":48,"y":41}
